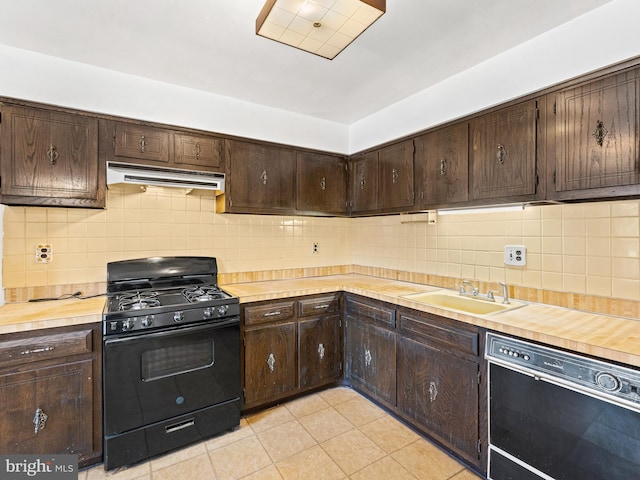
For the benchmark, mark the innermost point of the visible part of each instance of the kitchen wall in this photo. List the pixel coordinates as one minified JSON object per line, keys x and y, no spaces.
{"x":591,"y":248}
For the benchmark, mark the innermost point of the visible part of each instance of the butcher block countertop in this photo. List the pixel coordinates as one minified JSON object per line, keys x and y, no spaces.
{"x":608,"y":337}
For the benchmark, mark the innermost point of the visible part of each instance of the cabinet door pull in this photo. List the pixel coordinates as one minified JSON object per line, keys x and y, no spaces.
{"x":443,"y":166}
{"x":271,"y":361}
{"x":321,"y":351}
{"x":363,"y":183}
{"x":37,"y":350}
{"x":52,"y":154}
{"x":433,"y":391}
{"x":39,"y":420}
{"x":197,"y":151}
{"x":502,"y":154}
{"x":264,"y":177}
{"x":394,"y":175}
{"x":272,"y":314}
{"x":323,"y":184}
{"x":321,"y":307}
{"x":599,"y":133}
{"x":142,"y":144}
{"x":367,"y":357}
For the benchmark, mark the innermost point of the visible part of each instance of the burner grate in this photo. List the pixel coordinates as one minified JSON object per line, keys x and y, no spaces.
{"x":138,"y":301}
{"x":202,"y":294}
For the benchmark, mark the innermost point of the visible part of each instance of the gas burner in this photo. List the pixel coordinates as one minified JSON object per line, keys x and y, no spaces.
{"x":202,"y":294}
{"x":138,"y":301}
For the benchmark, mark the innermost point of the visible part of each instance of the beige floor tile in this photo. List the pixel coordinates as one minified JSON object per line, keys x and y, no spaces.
{"x":129,"y":473}
{"x":82,"y":475}
{"x":269,"y":418}
{"x":178,"y":456}
{"x":306,"y":405}
{"x":239,"y":459}
{"x":466,"y":475}
{"x":427,"y":462}
{"x":389,"y":434}
{"x":313,"y":463}
{"x":285,"y":440}
{"x":269,"y":473}
{"x":359,"y":411}
{"x":334,"y":396}
{"x":352,"y":451}
{"x":228,"y":438}
{"x":385,"y":469}
{"x":196,"y":468}
{"x":325,"y":424}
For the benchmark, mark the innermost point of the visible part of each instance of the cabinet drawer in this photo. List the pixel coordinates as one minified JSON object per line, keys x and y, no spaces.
{"x":319,"y":305}
{"x":374,"y":312}
{"x":457,"y":338}
{"x":268,"y":313}
{"x":144,"y":143}
{"x":45,"y":347}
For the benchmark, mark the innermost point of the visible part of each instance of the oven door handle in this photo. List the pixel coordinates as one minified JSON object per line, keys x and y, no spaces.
{"x":185,"y":329}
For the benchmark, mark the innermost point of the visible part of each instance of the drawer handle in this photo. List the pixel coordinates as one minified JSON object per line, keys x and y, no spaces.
{"x":39,"y":420}
{"x":394,"y":175}
{"x":142,"y":143}
{"x":599,"y":133}
{"x":367,"y":357}
{"x":433,"y":391}
{"x":321,"y":351}
{"x":323,"y":184}
{"x":272,"y":314}
{"x":443,"y":166}
{"x":179,"y":426}
{"x":321,"y":307}
{"x":271,"y":361}
{"x":38,"y":350}
{"x":264,"y":177}
{"x":197,"y":151}
{"x":53,"y":155}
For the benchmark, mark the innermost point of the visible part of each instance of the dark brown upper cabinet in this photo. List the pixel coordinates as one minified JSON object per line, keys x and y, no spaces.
{"x":596,"y":139}
{"x":261,"y":178}
{"x":363,"y":181}
{"x":200,"y":151}
{"x":395,"y":163}
{"x":321,"y":184}
{"x":503,"y":154}
{"x":50,"y":158}
{"x":442,"y":166}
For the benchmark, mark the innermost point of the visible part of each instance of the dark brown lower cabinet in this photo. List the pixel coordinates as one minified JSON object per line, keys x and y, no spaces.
{"x":370,"y":359}
{"x":50,"y":392}
{"x":319,"y":351}
{"x":439,"y":393}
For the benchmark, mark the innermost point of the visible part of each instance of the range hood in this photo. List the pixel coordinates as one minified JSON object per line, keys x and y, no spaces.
{"x":163,"y":176}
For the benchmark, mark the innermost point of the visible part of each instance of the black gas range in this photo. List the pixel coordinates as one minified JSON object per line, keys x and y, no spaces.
{"x":162,"y":292}
{"x":171,"y":357}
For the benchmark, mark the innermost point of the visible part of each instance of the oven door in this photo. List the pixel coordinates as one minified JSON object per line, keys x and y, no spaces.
{"x":540,"y":430}
{"x":152,"y":377}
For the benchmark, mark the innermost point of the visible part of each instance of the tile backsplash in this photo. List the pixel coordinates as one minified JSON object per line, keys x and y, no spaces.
{"x":589,"y":248}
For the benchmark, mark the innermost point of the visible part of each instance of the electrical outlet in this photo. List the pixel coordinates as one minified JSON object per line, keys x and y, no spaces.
{"x":44,"y":253}
{"x":315,"y":247}
{"x":515,"y":255}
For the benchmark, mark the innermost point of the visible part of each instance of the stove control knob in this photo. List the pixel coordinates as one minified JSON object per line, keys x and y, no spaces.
{"x":178,"y":317}
{"x":127,"y":324}
{"x":207,"y":313}
{"x":222,"y":310}
{"x":147,"y":321}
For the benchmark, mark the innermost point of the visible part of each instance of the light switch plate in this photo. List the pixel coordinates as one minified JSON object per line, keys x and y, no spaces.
{"x":515,"y":255}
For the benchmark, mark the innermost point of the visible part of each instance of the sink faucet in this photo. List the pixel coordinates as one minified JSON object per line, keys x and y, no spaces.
{"x":505,"y":293}
{"x":463,"y":288}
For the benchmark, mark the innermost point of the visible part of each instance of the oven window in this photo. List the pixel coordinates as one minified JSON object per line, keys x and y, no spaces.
{"x":176,"y":359}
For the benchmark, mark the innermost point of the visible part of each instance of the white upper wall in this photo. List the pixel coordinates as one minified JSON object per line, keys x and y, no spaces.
{"x":597,"y":39}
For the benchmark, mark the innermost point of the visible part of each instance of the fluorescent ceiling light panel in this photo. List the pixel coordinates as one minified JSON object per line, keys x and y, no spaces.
{"x":321,"y":27}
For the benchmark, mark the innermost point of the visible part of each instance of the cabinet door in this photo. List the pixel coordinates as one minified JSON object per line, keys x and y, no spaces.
{"x":199,"y":151}
{"x":260,"y":179}
{"x":50,"y":158}
{"x":442,"y":166}
{"x":319,"y":351}
{"x":60,"y":398}
{"x":503,"y":154}
{"x":270,"y":362}
{"x":396,"y":176}
{"x":597,"y":134}
{"x":439,"y":391}
{"x":370,"y":359}
{"x":321,"y":183}
{"x":142,"y":143}
{"x":364,"y":183}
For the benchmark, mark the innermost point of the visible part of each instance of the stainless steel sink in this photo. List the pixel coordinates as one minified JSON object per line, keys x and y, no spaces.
{"x":465,"y":304}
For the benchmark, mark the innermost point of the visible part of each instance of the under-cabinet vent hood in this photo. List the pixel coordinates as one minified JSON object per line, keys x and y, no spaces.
{"x":163,"y":176}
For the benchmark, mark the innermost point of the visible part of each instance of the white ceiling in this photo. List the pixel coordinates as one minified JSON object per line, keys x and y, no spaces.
{"x":211,"y":45}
